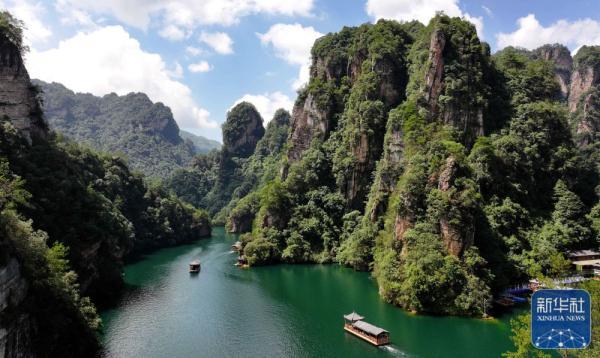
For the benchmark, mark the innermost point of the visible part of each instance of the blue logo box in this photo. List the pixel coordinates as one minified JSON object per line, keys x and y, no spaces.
{"x":561,"y":319}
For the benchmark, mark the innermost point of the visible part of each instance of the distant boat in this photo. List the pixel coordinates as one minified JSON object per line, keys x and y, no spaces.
{"x":195,"y":266}
{"x":353,"y":323}
{"x":242,"y":262}
{"x":505,"y":302}
{"x":237,"y":246}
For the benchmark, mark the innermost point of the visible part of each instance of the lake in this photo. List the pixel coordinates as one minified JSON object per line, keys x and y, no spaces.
{"x":275,"y":311}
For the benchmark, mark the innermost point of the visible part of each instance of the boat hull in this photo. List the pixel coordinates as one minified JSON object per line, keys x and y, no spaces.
{"x":373,"y":340}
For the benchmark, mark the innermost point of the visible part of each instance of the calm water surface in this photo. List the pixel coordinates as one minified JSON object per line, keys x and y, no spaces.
{"x":276,"y":311}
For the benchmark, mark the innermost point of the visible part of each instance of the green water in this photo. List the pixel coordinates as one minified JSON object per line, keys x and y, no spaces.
{"x":277,"y":311}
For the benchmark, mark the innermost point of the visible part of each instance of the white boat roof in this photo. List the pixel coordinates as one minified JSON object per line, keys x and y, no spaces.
{"x":369,"y":328}
{"x":353,"y":317}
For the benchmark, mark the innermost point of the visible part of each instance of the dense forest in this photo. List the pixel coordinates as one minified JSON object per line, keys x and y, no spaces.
{"x":446,"y":171}
{"x":69,"y":218}
{"x":248,"y":159}
{"x":413,"y":152}
{"x":143,"y":132}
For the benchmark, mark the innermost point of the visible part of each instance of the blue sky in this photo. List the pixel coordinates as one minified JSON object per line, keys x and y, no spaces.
{"x":201,"y":57}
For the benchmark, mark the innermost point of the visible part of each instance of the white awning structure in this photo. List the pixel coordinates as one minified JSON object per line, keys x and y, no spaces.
{"x":352,"y":317}
{"x":369,"y":328}
{"x":587,"y":262}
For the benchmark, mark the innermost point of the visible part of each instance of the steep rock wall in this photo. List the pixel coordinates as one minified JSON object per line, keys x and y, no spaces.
{"x":18,"y":98}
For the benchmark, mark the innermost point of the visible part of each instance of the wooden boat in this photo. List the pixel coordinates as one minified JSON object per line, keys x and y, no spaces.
{"x":195,"y":266}
{"x":505,"y":301}
{"x":353,"y":323}
{"x":241,"y":262}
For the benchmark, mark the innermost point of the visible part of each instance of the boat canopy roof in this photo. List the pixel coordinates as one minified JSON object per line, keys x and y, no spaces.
{"x":195,"y":262}
{"x":369,"y":328}
{"x":353,"y":317}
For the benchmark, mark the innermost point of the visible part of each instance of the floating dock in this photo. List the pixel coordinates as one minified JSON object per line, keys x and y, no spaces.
{"x":353,"y":323}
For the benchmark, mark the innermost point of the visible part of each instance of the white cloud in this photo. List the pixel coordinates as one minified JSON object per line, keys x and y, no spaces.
{"x":218,"y":41}
{"x":177,"y":72}
{"x":29,"y":12}
{"x":108,"y":60}
{"x":268,"y":103}
{"x":193,"y":51}
{"x":422,"y":10}
{"x":73,"y":16}
{"x":190,"y":13}
{"x":487,"y":10}
{"x":292,"y":43}
{"x":173,"y":33}
{"x":531,"y":34}
{"x":201,"y":66}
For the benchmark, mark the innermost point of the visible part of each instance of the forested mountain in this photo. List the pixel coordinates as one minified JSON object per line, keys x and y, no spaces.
{"x":69,"y":217}
{"x":447,"y":171}
{"x":201,"y":144}
{"x":249,"y":158}
{"x":131,"y":125}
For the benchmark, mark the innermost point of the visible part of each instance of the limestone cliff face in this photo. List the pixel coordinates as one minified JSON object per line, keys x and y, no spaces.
{"x":15,"y":323}
{"x":388,"y":171}
{"x":456,"y":239}
{"x":582,"y":79}
{"x":584,"y":95}
{"x":309,"y":121}
{"x":587,"y":125}
{"x":242,"y":131}
{"x":560,"y":56}
{"x":18,"y":98}
{"x":434,"y":76}
{"x":448,"y":61}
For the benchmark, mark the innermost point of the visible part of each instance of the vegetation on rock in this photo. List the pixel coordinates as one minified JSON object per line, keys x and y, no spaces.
{"x":249,"y":158}
{"x":131,"y":125}
{"x":69,"y":217}
{"x":449,"y":172}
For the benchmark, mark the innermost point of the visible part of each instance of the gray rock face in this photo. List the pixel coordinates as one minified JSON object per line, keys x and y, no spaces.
{"x":467,"y":119}
{"x":584,"y":95}
{"x":456,"y":239}
{"x":435,"y":72}
{"x":15,"y":326}
{"x":18,"y":98}
{"x":242,"y":131}
{"x":560,"y":56}
{"x":308,"y":122}
{"x":582,"y":80}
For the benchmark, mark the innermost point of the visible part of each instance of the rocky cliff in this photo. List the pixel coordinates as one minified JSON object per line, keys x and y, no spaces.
{"x":560,"y":56}
{"x":242,"y":130}
{"x":584,"y":94}
{"x":408,"y":148}
{"x":215,"y":177}
{"x":260,"y":168}
{"x":68,"y":218}
{"x":18,"y":97}
{"x":15,"y":334}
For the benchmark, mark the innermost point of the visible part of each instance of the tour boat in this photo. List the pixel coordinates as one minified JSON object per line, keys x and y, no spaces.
{"x":195,"y":266}
{"x":504,"y":301}
{"x":353,"y":323}
{"x":242,"y":262}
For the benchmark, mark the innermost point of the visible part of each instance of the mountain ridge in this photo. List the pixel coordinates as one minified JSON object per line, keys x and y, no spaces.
{"x":144,"y":131}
